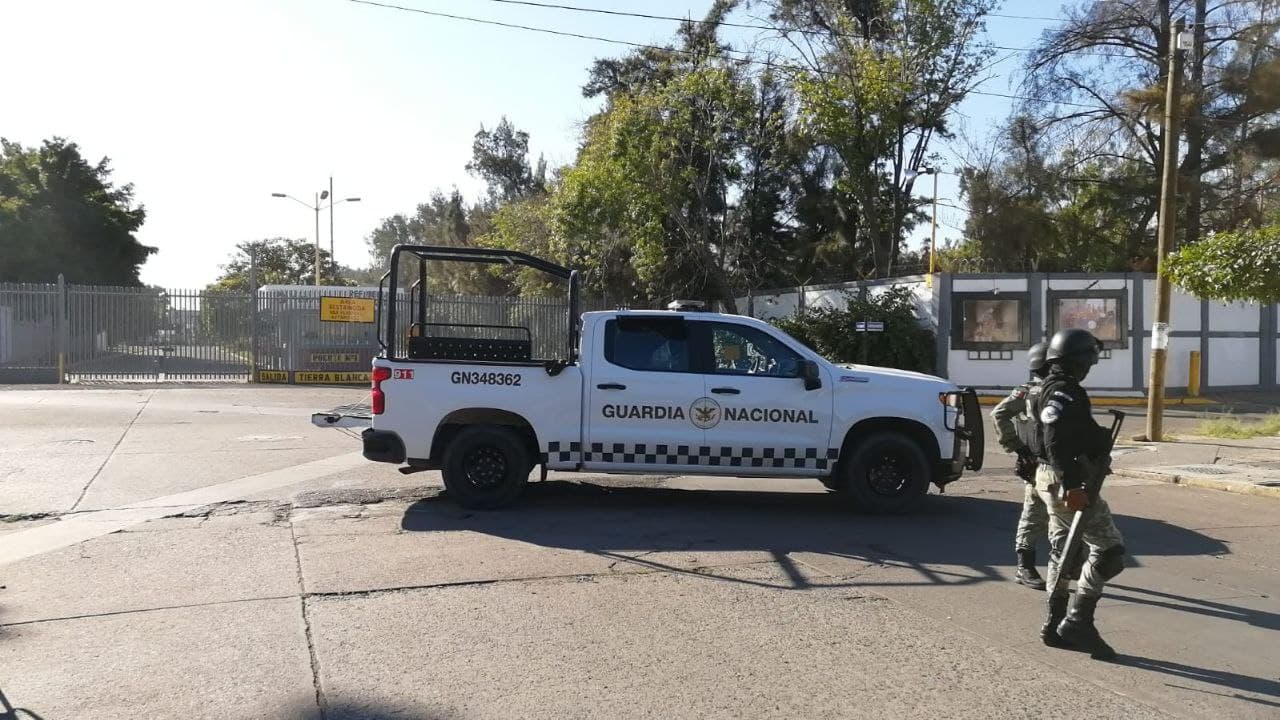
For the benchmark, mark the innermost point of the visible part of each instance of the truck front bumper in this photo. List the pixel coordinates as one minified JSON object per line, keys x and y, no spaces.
{"x":970,"y":438}
{"x":382,"y":446}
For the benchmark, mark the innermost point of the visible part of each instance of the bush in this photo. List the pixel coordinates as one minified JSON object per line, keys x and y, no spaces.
{"x":904,"y":344}
{"x":1242,"y":266}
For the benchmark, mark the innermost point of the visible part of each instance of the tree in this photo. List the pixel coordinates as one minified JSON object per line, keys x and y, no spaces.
{"x":501,"y":157}
{"x":59,"y":214}
{"x":877,"y":85}
{"x":442,"y":220}
{"x":1241,"y":266}
{"x":1103,"y":74}
{"x":1029,"y":212}
{"x":280,"y":261}
{"x":655,"y":169}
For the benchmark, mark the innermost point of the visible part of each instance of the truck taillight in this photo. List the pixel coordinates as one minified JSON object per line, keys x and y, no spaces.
{"x":378,"y":399}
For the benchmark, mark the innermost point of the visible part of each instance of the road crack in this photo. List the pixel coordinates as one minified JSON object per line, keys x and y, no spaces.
{"x":141,"y":406}
{"x":321,"y":702}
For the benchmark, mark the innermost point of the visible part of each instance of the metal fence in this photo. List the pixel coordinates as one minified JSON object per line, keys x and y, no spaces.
{"x":29,"y":328}
{"x":84,"y":334}
{"x":122,"y":333}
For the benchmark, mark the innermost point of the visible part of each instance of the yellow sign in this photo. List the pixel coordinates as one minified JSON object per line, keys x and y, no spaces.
{"x":335,"y":357}
{"x":273,"y":376}
{"x":329,"y":378}
{"x":346,"y":309}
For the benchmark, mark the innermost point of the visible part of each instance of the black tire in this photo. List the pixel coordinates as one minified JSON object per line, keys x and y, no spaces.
{"x":885,"y":473}
{"x":486,"y":466}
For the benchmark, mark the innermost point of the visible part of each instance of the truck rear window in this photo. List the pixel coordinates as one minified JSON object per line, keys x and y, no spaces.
{"x":650,"y":344}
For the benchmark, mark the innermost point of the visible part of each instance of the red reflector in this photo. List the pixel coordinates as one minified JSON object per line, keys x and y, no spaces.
{"x":381,"y":373}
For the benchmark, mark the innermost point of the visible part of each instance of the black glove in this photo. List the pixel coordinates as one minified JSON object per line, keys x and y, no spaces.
{"x":1025,"y":467}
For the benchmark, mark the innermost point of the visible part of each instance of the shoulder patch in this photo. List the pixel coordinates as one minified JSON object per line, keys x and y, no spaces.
{"x":1050,"y":414}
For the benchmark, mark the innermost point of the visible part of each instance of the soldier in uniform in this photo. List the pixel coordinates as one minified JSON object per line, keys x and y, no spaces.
{"x":1076,"y":454}
{"x":1016,"y":430}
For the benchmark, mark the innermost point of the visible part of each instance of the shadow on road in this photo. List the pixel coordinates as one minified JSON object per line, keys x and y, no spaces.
{"x":949,"y":540}
{"x":1208,"y":608}
{"x":343,"y":710}
{"x":9,"y":712}
{"x":1246,"y":683}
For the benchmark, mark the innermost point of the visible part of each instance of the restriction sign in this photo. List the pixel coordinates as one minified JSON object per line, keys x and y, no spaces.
{"x":347,"y":309}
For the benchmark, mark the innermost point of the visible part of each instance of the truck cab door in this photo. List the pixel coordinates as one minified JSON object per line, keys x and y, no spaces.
{"x":643,"y":396}
{"x":772,"y":422}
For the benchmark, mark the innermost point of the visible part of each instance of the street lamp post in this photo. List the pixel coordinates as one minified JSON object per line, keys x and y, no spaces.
{"x":933,"y":233}
{"x":316,"y":207}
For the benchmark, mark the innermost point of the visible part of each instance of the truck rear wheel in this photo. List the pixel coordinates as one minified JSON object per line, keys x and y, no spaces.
{"x":886,"y":473}
{"x":486,"y":466}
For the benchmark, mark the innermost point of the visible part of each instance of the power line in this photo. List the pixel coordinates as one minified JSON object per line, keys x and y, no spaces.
{"x":645,"y":46}
{"x":740,"y":60}
{"x":748,"y":26}
{"x":724,"y":23}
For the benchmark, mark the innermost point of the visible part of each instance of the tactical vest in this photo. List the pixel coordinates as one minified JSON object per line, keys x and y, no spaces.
{"x":1027,"y":422}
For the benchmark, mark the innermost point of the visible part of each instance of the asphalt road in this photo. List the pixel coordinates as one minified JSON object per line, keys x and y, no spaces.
{"x":207,"y":553}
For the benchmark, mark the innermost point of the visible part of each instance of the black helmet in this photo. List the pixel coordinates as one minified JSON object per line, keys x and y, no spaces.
{"x":1035,"y":358}
{"x":1076,"y":350}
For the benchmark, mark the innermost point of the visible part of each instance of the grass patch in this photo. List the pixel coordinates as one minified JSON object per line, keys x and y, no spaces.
{"x":1229,"y":427}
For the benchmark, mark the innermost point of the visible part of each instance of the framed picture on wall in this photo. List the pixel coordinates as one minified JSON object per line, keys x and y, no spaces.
{"x":989,"y":321}
{"x":1102,"y":312}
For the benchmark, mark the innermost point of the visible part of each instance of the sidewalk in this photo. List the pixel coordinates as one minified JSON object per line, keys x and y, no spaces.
{"x":1250,"y":466}
{"x":1238,"y":402}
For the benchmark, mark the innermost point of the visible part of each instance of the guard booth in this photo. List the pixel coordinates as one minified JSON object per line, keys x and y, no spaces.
{"x":316,"y":334}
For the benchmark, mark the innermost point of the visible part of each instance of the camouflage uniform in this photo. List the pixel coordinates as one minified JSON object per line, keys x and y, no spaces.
{"x":1033,"y":523}
{"x":1100,"y":535}
{"x":1076,"y":453}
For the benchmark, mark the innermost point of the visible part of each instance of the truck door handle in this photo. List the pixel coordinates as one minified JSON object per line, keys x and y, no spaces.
{"x":611,"y":386}
{"x":726,"y":391}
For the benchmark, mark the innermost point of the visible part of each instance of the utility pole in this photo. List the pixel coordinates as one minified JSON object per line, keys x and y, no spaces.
{"x":333,"y":260}
{"x":317,"y":207}
{"x":1164,"y":238}
{"x":933,"y":233}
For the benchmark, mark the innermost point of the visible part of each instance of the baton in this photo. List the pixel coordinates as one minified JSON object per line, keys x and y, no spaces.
{"x":1075,"y":537}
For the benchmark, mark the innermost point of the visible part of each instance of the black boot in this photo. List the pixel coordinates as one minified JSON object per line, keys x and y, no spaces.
{"x":1057,"y":611}
{"x":1077,"y":628}
{"x":1027,"y":574}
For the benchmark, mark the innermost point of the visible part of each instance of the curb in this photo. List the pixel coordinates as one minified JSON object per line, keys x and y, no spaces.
{"x":1235,"y":486}
{"x":1105,"y":401}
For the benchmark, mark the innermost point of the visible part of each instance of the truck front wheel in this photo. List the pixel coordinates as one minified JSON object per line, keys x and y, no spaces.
{"x":485,"y":466}
{"x":886,"y":473}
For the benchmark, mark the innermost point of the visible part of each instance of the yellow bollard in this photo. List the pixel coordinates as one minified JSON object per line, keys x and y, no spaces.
{"x":1193,"y":379}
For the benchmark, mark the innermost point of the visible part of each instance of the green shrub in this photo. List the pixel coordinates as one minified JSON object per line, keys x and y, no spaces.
{"x":904,"y":344}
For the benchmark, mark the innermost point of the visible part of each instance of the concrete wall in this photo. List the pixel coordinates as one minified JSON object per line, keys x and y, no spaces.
{"x":1238,"y":343}
{"x":780,"y":303}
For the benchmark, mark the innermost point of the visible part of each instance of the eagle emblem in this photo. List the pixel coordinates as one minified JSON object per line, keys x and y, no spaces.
{"x":704,"y":413}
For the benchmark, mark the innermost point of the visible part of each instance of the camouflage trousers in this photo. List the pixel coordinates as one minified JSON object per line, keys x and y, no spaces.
{"x":1100,"y":536}
{"x":1034,"y":521}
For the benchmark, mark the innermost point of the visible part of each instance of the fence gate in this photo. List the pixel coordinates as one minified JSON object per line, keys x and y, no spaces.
{"x":52,"y":333}
{"x":123,"y":334}
{"x":145,"y":334}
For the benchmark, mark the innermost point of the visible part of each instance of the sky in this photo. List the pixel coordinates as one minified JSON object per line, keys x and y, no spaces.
{"x":209,"y":108}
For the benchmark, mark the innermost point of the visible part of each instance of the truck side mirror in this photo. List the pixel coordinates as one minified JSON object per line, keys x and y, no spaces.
{"x":812,"y":377}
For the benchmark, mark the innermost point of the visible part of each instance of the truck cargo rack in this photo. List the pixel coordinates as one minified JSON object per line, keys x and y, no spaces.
{"x":423,"y":346}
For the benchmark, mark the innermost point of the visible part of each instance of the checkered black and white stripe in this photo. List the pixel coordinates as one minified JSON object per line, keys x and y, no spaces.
{"x":700,"y":455}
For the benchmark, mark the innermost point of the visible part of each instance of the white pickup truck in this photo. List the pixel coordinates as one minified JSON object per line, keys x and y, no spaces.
{"x":634,"y":391}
